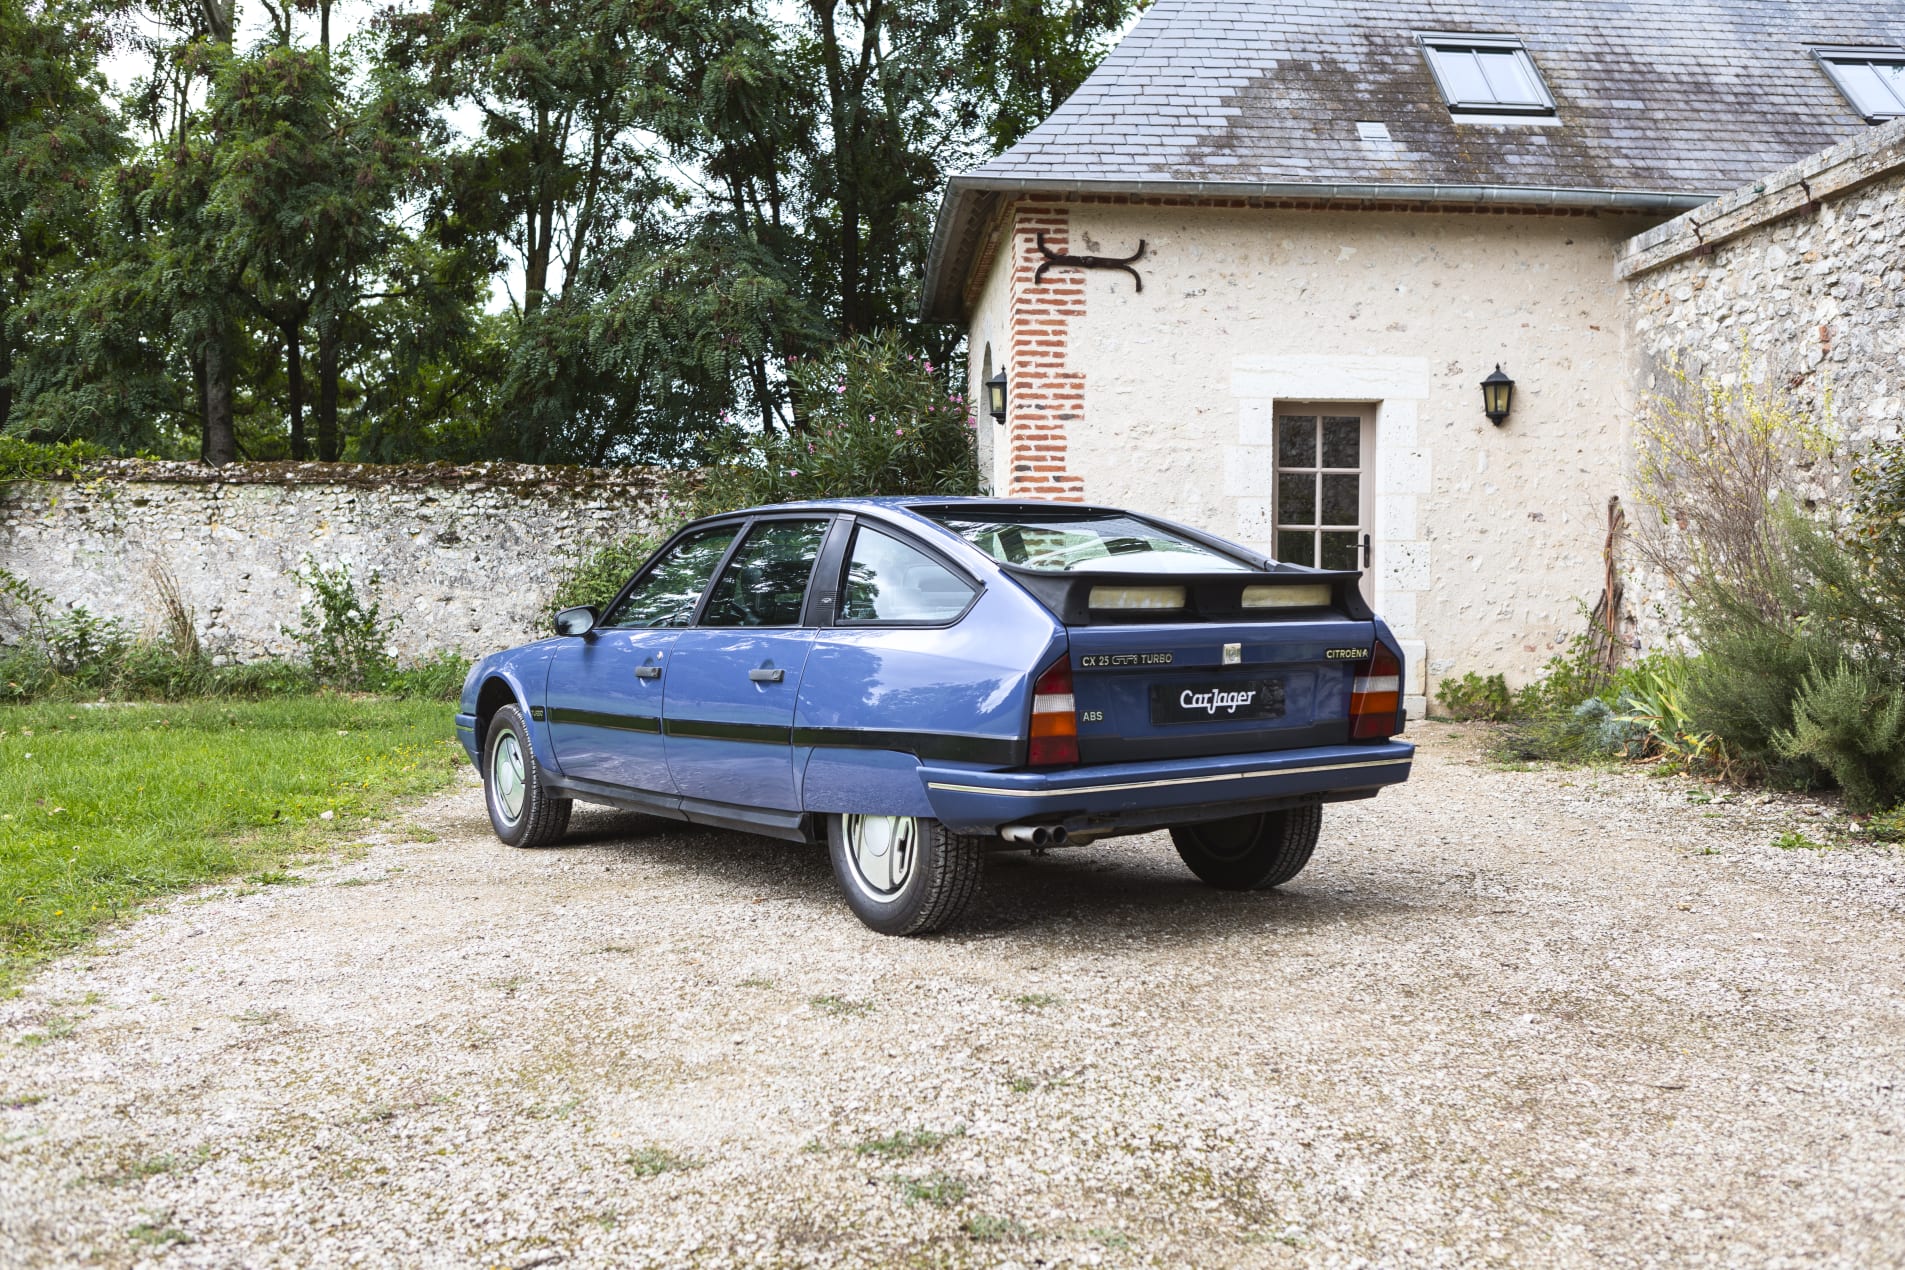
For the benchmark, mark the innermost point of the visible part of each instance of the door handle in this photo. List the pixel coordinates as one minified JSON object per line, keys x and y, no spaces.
{"x":766,"y":675}
{"x":648,"y":672}
{"x":1365,"y":551}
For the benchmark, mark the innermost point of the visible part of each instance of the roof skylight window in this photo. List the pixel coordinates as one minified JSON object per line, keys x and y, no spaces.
{"x":1873,"y":80}
{"x":1487,"y":75}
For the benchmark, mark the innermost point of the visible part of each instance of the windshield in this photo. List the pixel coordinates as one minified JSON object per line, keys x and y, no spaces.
{"x":1089,"y":542}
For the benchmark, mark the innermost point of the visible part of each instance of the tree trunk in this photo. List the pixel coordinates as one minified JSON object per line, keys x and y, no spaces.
{"x":294,"y":386}
{"x":327,"y":438}
{"x":220,"y":442}
{"x":218,"y":19}
{"x":6,"y":367}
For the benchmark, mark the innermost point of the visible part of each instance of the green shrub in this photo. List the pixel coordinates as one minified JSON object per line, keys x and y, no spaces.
{"x":1887,"y":826}
{"x":22,"y":460}
{"x":1568,"y":679}
{"x":346,"y":637}
{"x":594,"y":579}
{"x":874,"y":419}
{"x":438,"y":679}
{"x":1852,"y":724}
{"x":1472,"y":698}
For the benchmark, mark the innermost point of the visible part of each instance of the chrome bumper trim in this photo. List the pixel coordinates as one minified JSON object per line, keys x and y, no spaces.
{"x":1068,"y":791}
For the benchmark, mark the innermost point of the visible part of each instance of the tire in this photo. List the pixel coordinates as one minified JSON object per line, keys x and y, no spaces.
{"x":509,"y":766}
{"x":1251,"y":853}
{"x":939,"y":871}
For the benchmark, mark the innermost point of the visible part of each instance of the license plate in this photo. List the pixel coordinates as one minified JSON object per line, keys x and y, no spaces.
{"x":1217,"y":702}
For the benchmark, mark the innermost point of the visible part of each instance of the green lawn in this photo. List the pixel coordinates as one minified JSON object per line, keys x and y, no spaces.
{"x":104,"y":806}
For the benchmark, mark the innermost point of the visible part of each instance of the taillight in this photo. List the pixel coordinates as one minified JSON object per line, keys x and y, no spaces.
{"x":1054,"y":717}
{"x":1376,"y":697}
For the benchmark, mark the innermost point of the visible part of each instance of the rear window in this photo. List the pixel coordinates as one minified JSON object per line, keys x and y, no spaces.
{"x":1089,"y":542}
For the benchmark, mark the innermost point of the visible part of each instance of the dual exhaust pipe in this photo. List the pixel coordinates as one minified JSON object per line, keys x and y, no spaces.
{"x":1035,"y":835}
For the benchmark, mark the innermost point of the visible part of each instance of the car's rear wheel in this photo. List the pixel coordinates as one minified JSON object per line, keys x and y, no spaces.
{"x":520,"y":809}
{"x":1247,"y":853}
{"x":904,"y":875}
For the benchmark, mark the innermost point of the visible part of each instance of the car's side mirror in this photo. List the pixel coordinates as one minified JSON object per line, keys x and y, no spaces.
{"x":576,"y":621}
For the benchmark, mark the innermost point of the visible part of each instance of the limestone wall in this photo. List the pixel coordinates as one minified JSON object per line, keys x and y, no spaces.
{"x":466,"y":557}
{"x":1803,"y":274}
{"x":1798,"y":283}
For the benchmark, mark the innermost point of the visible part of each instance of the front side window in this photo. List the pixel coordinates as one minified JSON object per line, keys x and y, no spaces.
{"x":1085,"y":542}
{"x":892,"y":581}
{"x":1490,"y":75}
{"x":766,"y":582}
{"x":668,"y":594}
{"x":1873,"y":80}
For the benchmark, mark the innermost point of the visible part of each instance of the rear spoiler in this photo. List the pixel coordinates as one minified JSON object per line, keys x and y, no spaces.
{"x":1258,"y":596}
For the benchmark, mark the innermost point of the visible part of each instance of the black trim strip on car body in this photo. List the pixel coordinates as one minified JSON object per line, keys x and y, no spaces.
{"x":793,"y":826}
{"x":952,"y":747}
{"x":718,"y":730}
{"x":604,"y":719}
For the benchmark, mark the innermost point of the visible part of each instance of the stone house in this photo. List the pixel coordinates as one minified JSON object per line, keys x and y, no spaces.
{"x":1311,"y":228}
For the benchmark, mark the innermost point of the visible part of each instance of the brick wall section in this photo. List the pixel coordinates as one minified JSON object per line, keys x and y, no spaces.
{"x":1045,"y":400}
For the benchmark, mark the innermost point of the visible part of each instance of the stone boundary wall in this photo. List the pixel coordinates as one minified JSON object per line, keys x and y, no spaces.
{"x":466,"y":556}
{"x":1803,"y":273}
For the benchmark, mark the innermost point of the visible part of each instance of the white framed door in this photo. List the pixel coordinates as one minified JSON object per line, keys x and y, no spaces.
{"x":1324,"y":506}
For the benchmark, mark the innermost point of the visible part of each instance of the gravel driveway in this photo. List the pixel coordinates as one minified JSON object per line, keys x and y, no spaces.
{"x":1518,"y":1017}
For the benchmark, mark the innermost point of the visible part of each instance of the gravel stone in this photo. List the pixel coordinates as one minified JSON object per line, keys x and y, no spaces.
{"x":1526,"y":1017}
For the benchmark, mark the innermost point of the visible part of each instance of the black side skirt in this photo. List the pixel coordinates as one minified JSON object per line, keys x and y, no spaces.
{"x":791,"y":826}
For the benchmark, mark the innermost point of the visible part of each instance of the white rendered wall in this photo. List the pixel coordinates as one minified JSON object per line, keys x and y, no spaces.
{"x":1488,"y":539}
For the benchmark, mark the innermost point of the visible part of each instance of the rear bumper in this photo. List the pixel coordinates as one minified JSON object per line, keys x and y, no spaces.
{"x":1130,"y":797}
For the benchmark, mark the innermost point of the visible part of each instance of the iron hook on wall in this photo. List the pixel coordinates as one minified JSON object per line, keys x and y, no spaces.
{"x":1087,"y":262}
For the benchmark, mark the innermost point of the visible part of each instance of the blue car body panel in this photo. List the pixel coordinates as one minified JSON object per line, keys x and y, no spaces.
{"x":730,"y":736}
{"x":604,"y":715}
{"x":932,"y":719}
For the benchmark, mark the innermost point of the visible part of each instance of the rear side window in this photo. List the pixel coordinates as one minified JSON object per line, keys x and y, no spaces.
{"x":1087,"y":542}
{"x":893,"y":581}
{"x":766,"y":582}
{"x":667,"y":596}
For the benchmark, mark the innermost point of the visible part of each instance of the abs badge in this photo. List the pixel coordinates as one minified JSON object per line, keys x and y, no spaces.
{"x":1347,"y":654}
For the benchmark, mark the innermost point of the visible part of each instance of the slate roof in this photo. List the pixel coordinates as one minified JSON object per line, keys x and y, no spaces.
{"x":1661,"y":104}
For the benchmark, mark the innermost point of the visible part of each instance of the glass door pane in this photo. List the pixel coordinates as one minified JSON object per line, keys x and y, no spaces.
{"x":1324,"y":470}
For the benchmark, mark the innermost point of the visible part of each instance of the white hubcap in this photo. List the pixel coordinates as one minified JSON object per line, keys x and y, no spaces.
{"x":508,"y":777}
{"x":882,"y":850}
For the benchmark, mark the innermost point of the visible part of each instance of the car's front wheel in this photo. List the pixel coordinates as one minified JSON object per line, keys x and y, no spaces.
{"x":1247,"y":853}
{"x":520,"y":808}
{"x":904,"y":875}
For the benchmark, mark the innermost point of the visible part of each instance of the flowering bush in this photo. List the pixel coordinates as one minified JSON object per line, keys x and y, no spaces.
{"x":871,"y":418}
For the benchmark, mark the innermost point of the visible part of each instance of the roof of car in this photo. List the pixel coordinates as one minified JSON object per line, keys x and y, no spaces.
{"x":1660,"y":104}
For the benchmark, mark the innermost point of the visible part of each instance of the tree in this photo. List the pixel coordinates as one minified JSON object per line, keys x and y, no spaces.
{"x":304,"y":203}
{"x":1025,"y":57}
{"x":58,"y":142}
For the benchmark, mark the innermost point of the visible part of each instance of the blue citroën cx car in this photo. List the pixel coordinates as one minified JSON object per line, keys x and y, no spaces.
{"x":924,"y":680}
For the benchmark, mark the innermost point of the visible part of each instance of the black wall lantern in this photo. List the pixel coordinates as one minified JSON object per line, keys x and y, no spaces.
{"x":1498,"y":393}
{"x":995,"y":397}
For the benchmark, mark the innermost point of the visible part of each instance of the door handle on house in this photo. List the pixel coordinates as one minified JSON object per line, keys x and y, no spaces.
{"x":766,"y":675}
{"x":1365,"y":551}
{"x":648,"y":672}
